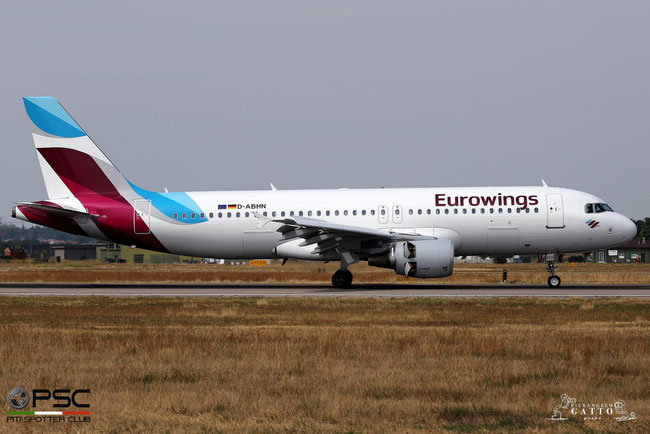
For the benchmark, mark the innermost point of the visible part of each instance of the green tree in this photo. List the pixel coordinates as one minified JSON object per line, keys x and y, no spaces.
{"x":642,"y":228}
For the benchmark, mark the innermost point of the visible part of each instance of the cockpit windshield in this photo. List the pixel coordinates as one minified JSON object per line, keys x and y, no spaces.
{"x":591,"y":208}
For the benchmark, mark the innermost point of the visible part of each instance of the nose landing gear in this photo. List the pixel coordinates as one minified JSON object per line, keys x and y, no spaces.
{"x":554,"y":280}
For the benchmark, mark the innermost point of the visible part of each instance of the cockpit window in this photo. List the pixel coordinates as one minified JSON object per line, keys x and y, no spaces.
{"x":597,"y":208}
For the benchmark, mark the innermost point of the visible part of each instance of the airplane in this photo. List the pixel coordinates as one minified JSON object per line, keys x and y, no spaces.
{"x":416,"y":232}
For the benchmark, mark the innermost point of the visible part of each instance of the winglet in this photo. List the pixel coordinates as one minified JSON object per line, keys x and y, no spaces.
{"x":544,"y":184}
{"x":273,"y":187}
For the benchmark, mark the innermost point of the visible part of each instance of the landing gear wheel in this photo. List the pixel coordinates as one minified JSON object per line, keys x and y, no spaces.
{"x":554,"y":281}
{"x":342,"y":279}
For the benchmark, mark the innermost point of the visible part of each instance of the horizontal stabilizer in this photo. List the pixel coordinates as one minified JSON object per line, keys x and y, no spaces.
{"x":54,"y":209}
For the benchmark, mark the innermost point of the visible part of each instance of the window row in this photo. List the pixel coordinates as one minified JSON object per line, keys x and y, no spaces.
{"x":362,"y":212}
{"x":489,"y":210}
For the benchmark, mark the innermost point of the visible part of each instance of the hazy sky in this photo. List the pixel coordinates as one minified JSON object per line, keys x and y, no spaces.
{"x":233,"y":95}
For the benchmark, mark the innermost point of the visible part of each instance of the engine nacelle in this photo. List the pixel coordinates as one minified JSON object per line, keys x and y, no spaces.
{"x":423,"y":259}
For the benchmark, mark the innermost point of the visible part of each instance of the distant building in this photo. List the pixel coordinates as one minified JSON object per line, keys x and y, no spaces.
{"x":112,"y":252}
{"x":142,"y":256}
{"x":77,"y":252}
{"x":635,"y":251}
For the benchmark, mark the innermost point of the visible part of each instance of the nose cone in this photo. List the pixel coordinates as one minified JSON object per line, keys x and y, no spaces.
{"x":628,"y":228}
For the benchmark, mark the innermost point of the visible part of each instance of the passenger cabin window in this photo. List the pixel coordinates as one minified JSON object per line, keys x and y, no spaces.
{"x":175,"y":215}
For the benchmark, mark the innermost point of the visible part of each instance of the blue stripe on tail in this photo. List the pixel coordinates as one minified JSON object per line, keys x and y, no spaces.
{"x":48,"y":115}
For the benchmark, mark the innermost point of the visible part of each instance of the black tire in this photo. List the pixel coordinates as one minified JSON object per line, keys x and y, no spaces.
{"x":342,"y":279}
{"x":554,"y":281}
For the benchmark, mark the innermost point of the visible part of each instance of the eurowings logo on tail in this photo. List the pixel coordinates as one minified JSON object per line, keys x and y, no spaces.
{"x":87,"y":194}
{"x":592,"y":223}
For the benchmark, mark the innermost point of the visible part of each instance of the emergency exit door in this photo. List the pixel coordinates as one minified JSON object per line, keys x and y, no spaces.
{"x":554,"y":211}
{"x":397,"y":214}
{"x":382,"y":214}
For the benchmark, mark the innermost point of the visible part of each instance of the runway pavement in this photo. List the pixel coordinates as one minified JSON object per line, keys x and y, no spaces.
{"x":283,"y":290}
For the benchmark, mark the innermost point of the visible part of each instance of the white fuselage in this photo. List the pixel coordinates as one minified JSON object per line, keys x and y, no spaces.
{"x":480,"y":220}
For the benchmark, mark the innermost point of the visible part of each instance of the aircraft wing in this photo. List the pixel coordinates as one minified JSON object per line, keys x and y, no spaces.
{"x":330,"y":236}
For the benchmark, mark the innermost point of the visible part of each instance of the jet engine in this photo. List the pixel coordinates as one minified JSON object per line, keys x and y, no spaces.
{"x":423,"y":259}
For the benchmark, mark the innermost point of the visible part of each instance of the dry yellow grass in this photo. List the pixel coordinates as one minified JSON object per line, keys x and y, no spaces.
{"x":333,"y":365}
{"x":309,"y":272}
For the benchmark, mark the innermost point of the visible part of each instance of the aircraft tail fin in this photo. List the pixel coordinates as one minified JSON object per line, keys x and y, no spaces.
{"x":71,"y":163}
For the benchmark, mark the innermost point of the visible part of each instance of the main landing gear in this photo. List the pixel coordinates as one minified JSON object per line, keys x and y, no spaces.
{"x":343,"y":278}
{"x":554,"y":280}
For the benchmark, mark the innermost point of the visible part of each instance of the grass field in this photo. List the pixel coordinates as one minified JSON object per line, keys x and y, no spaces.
{"x":315,"y":272}
{"x":339,"y":365}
